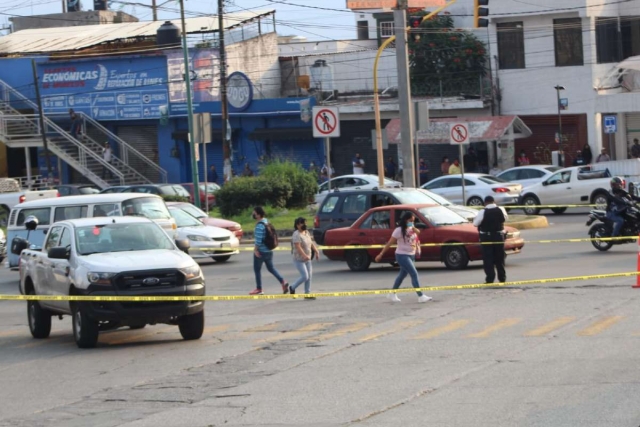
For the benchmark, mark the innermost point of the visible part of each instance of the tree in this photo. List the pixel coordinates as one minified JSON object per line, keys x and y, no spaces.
{"x":445,"y":61}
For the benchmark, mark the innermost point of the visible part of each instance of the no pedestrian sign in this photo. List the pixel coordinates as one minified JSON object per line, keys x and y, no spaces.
{"x":326,"y":122}
{"x":459,"y":133}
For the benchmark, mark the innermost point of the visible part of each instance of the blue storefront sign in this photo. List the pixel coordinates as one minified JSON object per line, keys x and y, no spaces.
{"x":109,"y":89}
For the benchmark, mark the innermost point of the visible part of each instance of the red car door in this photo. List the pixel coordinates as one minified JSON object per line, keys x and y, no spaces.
{"x":375,"y":229}
{"x":426,"y":234}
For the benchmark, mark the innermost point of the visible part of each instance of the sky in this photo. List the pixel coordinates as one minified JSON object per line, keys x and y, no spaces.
{"x":315,"y":24}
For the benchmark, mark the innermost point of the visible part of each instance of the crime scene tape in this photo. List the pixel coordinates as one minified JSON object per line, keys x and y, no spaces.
{"x":539,"y":206}
{"x":301,"y":296}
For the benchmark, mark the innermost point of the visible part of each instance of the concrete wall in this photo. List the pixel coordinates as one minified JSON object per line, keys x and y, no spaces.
{"x":258,"y":59}
{"x":70,"y":19}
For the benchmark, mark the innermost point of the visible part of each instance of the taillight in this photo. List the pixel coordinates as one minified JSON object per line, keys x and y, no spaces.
{"x":501,"y":190}
{"x":316,"y":222}
{"x":22,"y":199}
{"x":57,"y":194}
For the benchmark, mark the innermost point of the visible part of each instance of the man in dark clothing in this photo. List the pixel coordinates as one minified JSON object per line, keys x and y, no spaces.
{"x":490,"y":222}
{"x":390,"y":168}
{"x":424,"y":171}
{"x":579,"y":160}
{"x":618,"y":201}
{"x":635,"y":148}
{"x":213,"y":175}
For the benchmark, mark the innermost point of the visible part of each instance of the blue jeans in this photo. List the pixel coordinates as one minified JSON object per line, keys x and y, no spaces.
{"x":618,"y":222}
{"x":304,"y":267}
{"x":266,"y":258}
{"x":407,"y":266}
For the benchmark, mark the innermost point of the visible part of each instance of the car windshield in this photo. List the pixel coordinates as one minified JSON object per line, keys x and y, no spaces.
{"x":439,"y":215}
{"x":121,"y":238}
{"x":183,"y":219}
{"x":488,"y":179}
{"x":426,"y":197}
{"x":88,"y":190}
{"x":150,"y":207}
{"x":193,"y":211}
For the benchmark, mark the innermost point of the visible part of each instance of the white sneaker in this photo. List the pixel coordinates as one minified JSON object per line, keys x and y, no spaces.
{"x":394,"y":298}
{"x":424,"y":298}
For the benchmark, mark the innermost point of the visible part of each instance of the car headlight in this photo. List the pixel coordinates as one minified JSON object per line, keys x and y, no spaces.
{"x":191,"y":272}
{"x":198,"y":238}
{"x":100,"y":278}
{"x":234,"y":228}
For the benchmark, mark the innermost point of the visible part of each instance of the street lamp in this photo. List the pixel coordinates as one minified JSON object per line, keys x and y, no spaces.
{"x":561,"y":156}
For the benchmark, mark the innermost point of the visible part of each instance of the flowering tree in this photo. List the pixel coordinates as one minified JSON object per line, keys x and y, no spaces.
{"x":445,"y":61}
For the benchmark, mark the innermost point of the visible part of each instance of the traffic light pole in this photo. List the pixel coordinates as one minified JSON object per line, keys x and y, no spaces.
{"x":407,"y":93}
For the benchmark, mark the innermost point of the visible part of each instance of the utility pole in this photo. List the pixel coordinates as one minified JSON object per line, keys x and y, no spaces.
{"x":154,"y":8}
{"x":187,"y":81}
{"x":226,"y":148}
{"x":558,"y":88}
{"x":404,"y":94}
{"x":36,"y":84}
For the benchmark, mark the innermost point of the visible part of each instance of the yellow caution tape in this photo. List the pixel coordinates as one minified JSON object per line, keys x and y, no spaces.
{"x":539,"y":206}
{"x":317,"y":295}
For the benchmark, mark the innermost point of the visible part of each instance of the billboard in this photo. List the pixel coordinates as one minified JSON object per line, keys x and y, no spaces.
{"x":106,"y":89}
{"x":204,"y":67}
{"x":392,"y":4}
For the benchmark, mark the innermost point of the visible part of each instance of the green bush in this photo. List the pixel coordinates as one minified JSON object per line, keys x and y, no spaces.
{"x":245,"y":193}
{"x":304,"y":183}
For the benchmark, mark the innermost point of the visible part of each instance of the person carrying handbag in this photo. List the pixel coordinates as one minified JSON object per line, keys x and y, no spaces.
{"x":303,"y":249}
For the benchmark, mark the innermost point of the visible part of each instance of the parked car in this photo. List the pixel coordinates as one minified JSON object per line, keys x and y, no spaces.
{"x":115,"y":189}
{"x":11,"y":194}
{"x":353,"y":182}
{"x":199,"y":214}
{"x":437,"y":224}
{"x":109,"y":256}
{"x":205,"y":241}
{"x":341,"y":209}
{"x":577,"y":185}
{"x":211,"y":189}
{"x":477,"y":187}
{"x":77,"y":189}
{"x":528,"y":175}
{"x":171,"y":190}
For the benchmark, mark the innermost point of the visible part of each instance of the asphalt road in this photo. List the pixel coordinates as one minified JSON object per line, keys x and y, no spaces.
{"x":560,"y":354}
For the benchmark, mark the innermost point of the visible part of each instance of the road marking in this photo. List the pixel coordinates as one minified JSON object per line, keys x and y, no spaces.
{"x":504,"y":323}
{"x":397,"y":328}
{"x":296,"y":333}
{"x":339,"y":332}
{"x":217,"y":328}
{"x":600,"y":326}
{"x":455,"y":325}
{"x":263,"y":328}
{"x":549,"y":327}
{"x":13,"y":332}
{"x":139,"y":336}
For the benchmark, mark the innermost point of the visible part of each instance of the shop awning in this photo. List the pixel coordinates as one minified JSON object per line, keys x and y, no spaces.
{"x":484,"y":128}
{"x":281,"y":134}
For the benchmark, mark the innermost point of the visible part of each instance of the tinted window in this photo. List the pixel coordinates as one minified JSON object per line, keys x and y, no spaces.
{"x":329,"y":204}
{"x":65,"y":239}
{"x":52,"y":238}
{"x":533,"y":174}
{"x":64,"y":191}
{"x":43,"y":215}
{"x":510,"y":175}
{"x":106,"y":209}
{"x":454,"y":182}
{"x":440,"y":183}
{"x":377,"y":220}
{"x":379,"y":200}
{"x":355,"y":204}
{"x":70,"y":212}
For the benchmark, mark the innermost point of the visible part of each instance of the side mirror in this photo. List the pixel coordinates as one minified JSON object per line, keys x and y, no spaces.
{"x":18,"y":244}
{"x":421,"y":226}
{"x":545,"y":183}
{"x":183,"y":245}
{"x":59,"y":252}
{"x":31,"y":223}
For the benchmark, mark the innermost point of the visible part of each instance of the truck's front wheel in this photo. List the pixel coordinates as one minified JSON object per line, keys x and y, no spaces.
{"x":39,"y":319}
{"x":192,"y":326}
{"x":85,"y":329}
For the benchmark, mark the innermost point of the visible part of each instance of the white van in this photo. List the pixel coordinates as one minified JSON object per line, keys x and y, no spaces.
{"x":49,"y":211}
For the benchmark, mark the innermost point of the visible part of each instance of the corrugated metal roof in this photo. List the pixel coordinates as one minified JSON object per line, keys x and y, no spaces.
{"x":61,"y":39}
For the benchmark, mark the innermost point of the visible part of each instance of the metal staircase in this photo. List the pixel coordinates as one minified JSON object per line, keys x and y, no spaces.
{"x":83,"y":153}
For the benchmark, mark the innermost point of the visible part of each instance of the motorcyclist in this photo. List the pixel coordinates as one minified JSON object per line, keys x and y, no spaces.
{"x":618,"y":200}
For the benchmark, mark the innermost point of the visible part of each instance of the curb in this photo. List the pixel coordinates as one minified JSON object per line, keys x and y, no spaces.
{"x":528,"y":222}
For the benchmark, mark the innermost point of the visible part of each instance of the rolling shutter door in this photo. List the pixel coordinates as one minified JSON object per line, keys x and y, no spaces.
{"x":214,"y":157}
{"x":145,"y":140}
{"x":633,"y":131}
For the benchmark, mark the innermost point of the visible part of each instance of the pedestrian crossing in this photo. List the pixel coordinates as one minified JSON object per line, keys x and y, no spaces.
{"x":357,"y":332}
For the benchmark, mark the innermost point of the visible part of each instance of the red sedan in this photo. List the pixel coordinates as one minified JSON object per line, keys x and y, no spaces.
{"x":232,"y":226}
{"x":437,"y":224}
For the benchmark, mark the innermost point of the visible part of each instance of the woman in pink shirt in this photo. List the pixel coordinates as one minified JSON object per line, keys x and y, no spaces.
{"x":406,"y":237}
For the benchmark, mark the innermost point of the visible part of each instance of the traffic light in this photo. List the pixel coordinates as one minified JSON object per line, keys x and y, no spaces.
{"x":414,"y":24}
{"x":479,"y":11}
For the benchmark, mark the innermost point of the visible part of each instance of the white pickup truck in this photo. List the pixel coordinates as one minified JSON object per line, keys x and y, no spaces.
{"x":123,"y":256}
{"x":569,"y":186}
{"x":11,"y":194}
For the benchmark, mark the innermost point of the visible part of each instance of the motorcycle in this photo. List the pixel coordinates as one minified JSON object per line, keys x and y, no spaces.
{"x":631,"y":227}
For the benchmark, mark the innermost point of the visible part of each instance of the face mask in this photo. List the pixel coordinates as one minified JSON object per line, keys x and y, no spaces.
{"x":409,"y":224}
{"x":303,"y":227}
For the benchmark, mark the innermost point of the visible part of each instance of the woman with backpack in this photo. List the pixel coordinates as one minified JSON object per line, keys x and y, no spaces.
{"x":303,"y":250}
{"x":406,"y":239}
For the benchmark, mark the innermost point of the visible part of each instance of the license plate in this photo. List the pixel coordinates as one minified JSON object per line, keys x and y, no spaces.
{"x":225,"y":245}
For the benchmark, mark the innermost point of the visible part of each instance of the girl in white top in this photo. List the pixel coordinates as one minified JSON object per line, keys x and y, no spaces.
{"x":406,"y":237}
{"x":303,"y":251}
